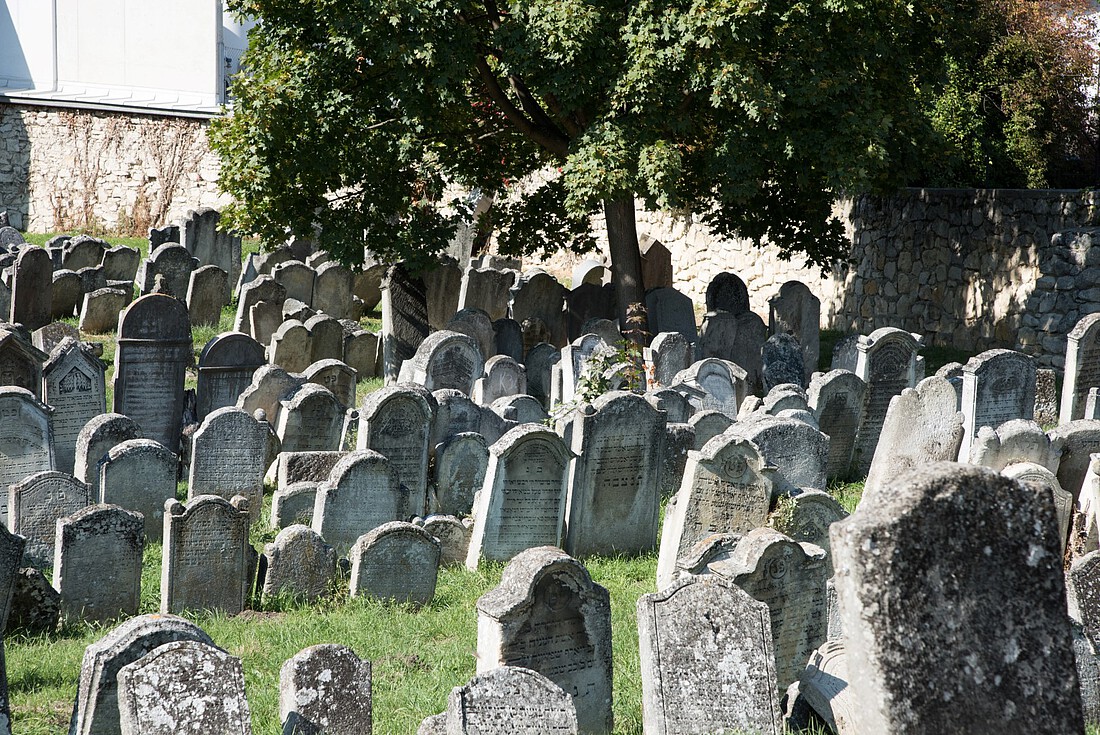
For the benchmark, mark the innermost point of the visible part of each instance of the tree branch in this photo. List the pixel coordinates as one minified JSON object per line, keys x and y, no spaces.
{"x":532,"y":107}
{"x":549,"y":138}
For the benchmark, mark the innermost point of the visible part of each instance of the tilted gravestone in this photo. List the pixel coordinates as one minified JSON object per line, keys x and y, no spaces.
{"x":326,"y":688}
{"x":667,"y":355}
{"x":1041,"y":477}
{"x":453,"y":535}
{"x":1013,"y":442}
{"x":121,"y":263}
{"x":139,"y":475}
{"x":100,"y":309}
{"x":97,"y":563}
{"x":298,"y":564}
{"x":95,"y":439}
{"x":510,"y":700}
{"x":292,"y":504}
{"x":263,"y":289}
{"x":154,"y":349}
{"x":585,"y":302}
{"x":32,"y":289}
{"x":461,"y":463}
{"x":332,"y":291}
{"x":396,"y":561}
{"x":326,"y":338}
{"x":199,"y":233}
{"x":476,"y":324}
{"x":207,"y":293}
{"x":396,"y":422}
{"x":522,"y":503}
{"x":208,"y":560}
{"x":886,"y":361}
{"x":50,"y":336}
{"x":713,"y":384}
{"x":11,"y":560}
{"x":806,"y":516}
{"x":290,"y":347}
{"x":1080,"y":439}
{"x":795,"y":447}
{"x":185,"y":686}
{"x":74,"y":386}
{"x":68,"y":294}
{"x":442,"y":286}
{"x":548,"y":615}
{"x":486,"y":289}
{"x":228,"y":457}
{"x":707,"y":660}
{"x":34,"y":505}
{"x":727,"y":292}
{"x":707,"y":425}
{"x":538,"y":295}
{"x":82,"y":252}
{"x":974,"y":556}
{"x":96,"y":709}
{"x":226,"y":366}
{"x":836,"y":399}
{"x":445,"y":359}
{"x":998,"y":386}
{"x":26,"y":438}
{"x":1082,"y":367}
{"x":503,"y":377}
{"x":362,"y":493}
{"x":404,"y":319}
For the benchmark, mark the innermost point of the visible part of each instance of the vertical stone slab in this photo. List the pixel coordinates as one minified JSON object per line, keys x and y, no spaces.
{"x":228,"y":457}
{"x":20,"y":362}
{"x":97,"y":563}
{"x":538,"y":295}
{"x":11,"y":559}
{"x":510,"y":701}
{"x":226,"y":366}
{"x":185,"y":686}
{"x":32,"y":288}
{"x":486,"y":289}
{"x":74,"y":386}
{"x":806,"y":516}
{"x":1079,"y":439}
{"x":548,"y":615}
{"x":707,"y":661}
{"x":174,"y":263}
{"x":292,"y":504}
{"x":522,"y":504}
{"x":263,"y":288}
{"x":671,"y":311}
{"x":362,"y":493}
{"x":1082,"y":367}
{"x":154,"y":349}
{"x":34,"y":505}
{"x":326,"y":338}
{"x":796,"y":311}
{"x":782,"y":361}
{"x":1042,"y":477}
{"x":445,"y":359}
{"x":332,"y":290}
{"x":310,"y":420}
{"x":335,"y":375}
{"x":298,"y":564}
{"x":710,"y":383}
{"x":207,"y":560}
{"x":326,"y":689}
{"x":297,"y":278}
{"x":997,"y":386}
{"x":26,"y":439}
{"x":96,"y":708}
{"x":199,"y":233}
{"x":974,"y":557}
{"x":396,"y":561}
{"x":477,"y":324}
{"x":461,"y":464}
{"x":668,"y":354}
{"x":540,"y":361}
{"x":100,"y":309}
{"x":727,"y":292}
{"x":503,"y":377}
{"x":587,"y":301}
{"x":836,"y":400}
{"x":795,"y":447}
{"x":453,"y":535}
{"x":887,"y":364}
{"x":404,"y":319}
{"x":139,"y":475}
{"x":207,"y":293}
{"x":396,"y":422}
{"x":442,"y":287}
{"x":95,"y":439}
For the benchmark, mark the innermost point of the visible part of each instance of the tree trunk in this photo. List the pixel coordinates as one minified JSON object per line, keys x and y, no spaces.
{"x":626,"y":261}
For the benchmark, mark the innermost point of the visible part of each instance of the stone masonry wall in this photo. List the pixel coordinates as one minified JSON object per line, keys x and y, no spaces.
{"x":64,"y":169}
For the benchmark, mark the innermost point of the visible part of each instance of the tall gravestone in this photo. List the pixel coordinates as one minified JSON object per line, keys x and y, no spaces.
{"x":836,"y":400}
{"x":199,"y":233}
{"x":226,"y":366}
{"x":207,"y":294}
{"x":310,"y":419}
{"x":461,"y":463}
{"x":404,"y":319}
{"x":974,"y":557}
{"x":396,"y":422}
{"x":538,"y":295}
{"x":154,"y":349}
{"x":442,"y":286}
{"x":486,"y":289}
{"x":997,"y":386}
{"x":26,"y":439}
{"x":332,"y":291}
{"x":1082,"y":367}
{"x":173,"y":264}
{"x":32,"y":288}
{"x":34,"y":505}
{"x":97,"y":563}
{"x":74,"y":386}
{"x":796,"y":311}
{"x":207,"y":559}
{"x":548,"y":615}
{"x":263,"y":289}
{"x":362,"y":492}
{"x":886,"y":361}
{"x":798,"y":449}
{"x":228,"y":457}
{"x":20,"y":362}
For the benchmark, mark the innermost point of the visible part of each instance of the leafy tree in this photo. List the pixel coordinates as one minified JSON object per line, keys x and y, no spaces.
{"x":358,"y":115}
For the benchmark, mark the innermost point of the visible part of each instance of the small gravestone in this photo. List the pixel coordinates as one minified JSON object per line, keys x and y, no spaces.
{"x":1082,"y":367}
{"x":585,"y":302}
{"x":265,"y":318}
{"x":310,"y":420}
{"x":795,"y":447}
{"x":476,"y":324}
{"x":32,"y":289}
{"x":361,"y":493}
{"x":97,"y":563}
{"x":461,"y":463}
{"x":998,"y":386}
{"x":806,"y":516}
{"x":100,"y":309}
{"x":404,"y":319}
{"x":824,"y":687}
{"x":836,"y":399}
{"x":670,"y":311}
{"x":361,"y":353}
{"x":226,"y":366}
{"x":95,"y":439}
{"x":161,"y":235}
{"x":442,"y":285}
{"x":184,"y":686}
{"x":50,"y":336}
{"x":540,"y":360}
{"x":335,"y":375}
{"x":574,"y":363}
{"x":785,"y":397}
{"x":207,"y":293}
{"x":208,"y":559}
{"x":35,"y":604}
{"x":1041,"y":477}
{"x":508,"y":339}
{"x":1046,"y":397}
{"x":290,"y":346}
{"x":395,"y":422}
{"x":292,"y":504}
{"x":707,"y":660}
{"x":782,"y":359}
{"x":270,"y":384}
{"x":305,"y":466}
{"x":921,"y":426}
{"x":366,"y":285}
{"x":486,"y":289}
{"x":298,"y":564}
{"x":1013,"y":442}
{"x":677,"y":408}
{"x":548,"y":615}
{"x":326,"y":338}
{"x":227,"y":457}
{"x":396,"y":561}
{"x":154,"y":350}
{"x":656,"y":262}
{"x":453,"y":536}
{"x":68,"y":293}
{"x":707,"y":425}
{"x":34,"y":505}
{"x":263,"y":289}
{"x":20,"y":362}
{"x":139,"y":475}
{"x":539,"y":296}
{"x":503,"y":377}
{"x":588,"y":272}
{"x":522,"y":503}
{"x":445,"y":359}
{"x":82,"y":252}
{"x":326,"y":689}
{"x":887,"y":364}
{"x":727,"y":292}
{"x":667,"y":355}
{"x":713,"y":384}
{"x":174,"y":264}
{"x":510,"y":700}
{"x":74,"y":385}
{"x":297,"y":278}
{"x":974,"y":557}
{"x":121,"y":263}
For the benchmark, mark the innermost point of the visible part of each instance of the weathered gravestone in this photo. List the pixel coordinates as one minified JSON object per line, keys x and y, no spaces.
{"x":714,"y":384}
{"x":707,"y":661}
{"x":922,"y":425}
{"x":455,"y":413}
{"x":445,"y":359}
{"x":310,"y":419}
{"x":11,"y":560}
{"x":297,"y":278}
{"x":404,"y":319}
{"x":20,"y":362}
{"x":95,"y":439}
{"x":199,"y":233}
{"x":332,"y":291}
{"x":585,"y":302}
{"x":974,"y":557}
{"x":32,"y":289}
{"x":796,"y":448}
{"x":672,"y":312}
{"x":121,"y":263}
{"x":548,"y":615}
{"x":100,"y":309}
{"x":476,"y":324}
{"x":538,"y":295}
{"x":263,"y":289}
{"x":96,"y":709}
{"x":1013,"y":442}
{"x":824,"y":687}
{"x":806,"y":515}
{"x":676,"y":407}
{"x":1041,"y":477}
{"x":208,"y":560}
{"x":97,"y":563}
{"x":796,"y":311}
{"x":295,"y":467}
{"x":293,"y":503}
{"x":453,"y":536}
{"x":154,"y":349}
{"x":326,"y":689}
{"x":361,"y":353}
{"x":727,"y":292}
{"x":298,"y":564}
{"x":185,"y":686}
{"x":174,"y":263}
{"x":523,"y":409}
{"x":509,"y":700}
{"x":540,"y":362}
{"x":667,"y":355}
{"x":228,"y":457}
{"x":726,"y":488}
{"x":74,"y":386}
{"x":522,"y":503}
{"x":82,"y":252}
{"x":503,"y":377}
{"x":335,"y":375}
{"x":207,"y":293}
{"x":26,"y":445}
{"x":461,"y":463}
{"x":886,"y":361}
{"x":442,"y":287}
{"x":782,"y":360}
{"x":139,"y":475}
{"x":574,"y":363}
{"x":326,"y":338}
{"x":50,"y":336}
{"x":68,"y":293}
{"x":836,"y":399}
{"x":226,"y":366}
{"x":998,"y":386}
{"x":1080,"y":439}
{"x":1082,"y":367}
{"x":508,"y":339}
{"x":396,"y":561}
{"x":486,"y":289}
{"x":395,"y":421}
{"x":656,"y":262}
{"x":707,"y":425}
{"x":361,"y":493}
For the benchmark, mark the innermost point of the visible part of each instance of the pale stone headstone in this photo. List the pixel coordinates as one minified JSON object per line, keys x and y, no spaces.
{"x":523,"y":409}
{"x":588,"y":271}
{"x":207,"y":293}
{"x":404,"y":319}
{"x":184,"y":686}
{"x":174,"y":264}
{"x":97,"y":563}
{"x":503,"y":377}
{"x":782,"y":360}
{"x":486,"y":289}
{"x":396,"y":561}
{"x":396,"y":421}
{"x":20,"y":362}
{"x":139,"y":475}
{"x":263,"y":289}
{"x":100,"y":309}
{"x":574,"y":363}
{"x":226,"y":366}
{"x":522,"y":503}
{"x":265,"y":318}
{"x":676,"y":407}
{"x":445,"y":359}
{"x":707,"y":425}
{"x":362,"y":493}
{"x":1013,"y":442}
{"x":886,"y":361}
{"x":667,"y":355}
{"x":154,"y":349}
{"x":297,"y":278}
{"x":26,"y":445}
{"x":806,"y":516}
{"x":366,"y":284}
{"x":227,"y":457}
{"x":32,"y":288}
{"x":310,"y":419}
{"x":335,"y":375}
{"x":50,"y":336}
{"x":326,"y":689}
{"x":200,"y":234}
{"x":95,"y":439}
{"x":714,"y":384}
{"x":208,"y":560}
{"x":796,"y":448}
{"x":509,"y":700}
{"x":1082,"y":367}
{"x":998,"y":386}
{"x":326,"y":338}
{"x":361,"y":353}
{"x":824,"y":687}
{"x":670,"y":311}
{"x":74,"y":386}
{"x":548,"y":615}
{"x":442,"y":285}
{"x":298,"y":564}
{"x":538,"y":295}
{"x":974,"y":557}
{"x":34,"y":505}
{"x":290,"y":347}
{"x":726,"y":488}
{"x":1080,"y":439}
{"x":68,"y":294}
{"x":707,"y":660}
{"x":293,"y":503}
{"x":1042,"y":477}
{"x":332,"y":291}
{"x":836,"y":399}
{"x":922,"y":425}
{"x":96,"y":710}
{"x":453,"y":536}
{"x":461,"y":463}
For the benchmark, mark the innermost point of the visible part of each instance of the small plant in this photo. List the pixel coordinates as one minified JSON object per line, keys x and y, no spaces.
{"x":782,"y":518}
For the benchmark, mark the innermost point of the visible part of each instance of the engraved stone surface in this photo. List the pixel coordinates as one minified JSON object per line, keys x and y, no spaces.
{"x":362,"y":493}
{"x":510,"y":700}
{"x":35,"y":503}
{"x":538,"y":295}
{"x":311,"y":419}
{"x":226,"y":366}
{"x":796,"y":311}
{"x":453,"y":535}
{"x":74,"y":387}
{"x":396,"y":561}
{"x":227,"y":457}
{"x":795,"y":447}
{"x":836,"y":399}
{"x":404,"y":319}
{"x":26,"y":445}
{"x":1082,"y":367}
{"x":96,"y":439}
{"x":668,"y":354}
{"x":20,"y":362}
{"x":445,"y":359}
{"x":396,"y":421}
{"x":139,"y":475}
{"x":97,"y":565}
{"x":297,"y":564}
{"x":461,"y":463}
{"x":327,"y":689}
{"x":886,"y":361}
{"x":998,"y":386}
{"x":32,"y":288}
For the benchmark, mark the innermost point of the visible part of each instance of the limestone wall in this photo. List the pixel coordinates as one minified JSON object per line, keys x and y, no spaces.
{"x":64,"y":169}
